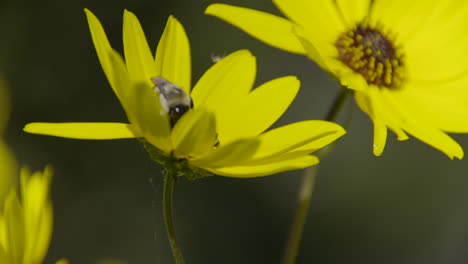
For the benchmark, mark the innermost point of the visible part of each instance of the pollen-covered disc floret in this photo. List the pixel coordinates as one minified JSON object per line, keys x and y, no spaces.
{"x":372,"y":54}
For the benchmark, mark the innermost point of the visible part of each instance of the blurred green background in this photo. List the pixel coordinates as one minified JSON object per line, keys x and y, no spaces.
{"x":407,"y":206}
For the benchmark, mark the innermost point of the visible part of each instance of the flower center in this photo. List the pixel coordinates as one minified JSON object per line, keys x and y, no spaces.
{"x":370,"y":53}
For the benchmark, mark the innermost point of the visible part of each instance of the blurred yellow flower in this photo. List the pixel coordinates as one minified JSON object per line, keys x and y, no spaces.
{"x":26,"y":222}
{"x":8,"y":168}
{"x":219,"y":127}
{"x":405,"y":61}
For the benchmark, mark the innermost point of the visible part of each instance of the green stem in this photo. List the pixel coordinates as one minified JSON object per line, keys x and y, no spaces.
{"x":338,"y":104}
{"x":167,"y":204}
{"x":306,"y":188}
{"x":295,"y":233}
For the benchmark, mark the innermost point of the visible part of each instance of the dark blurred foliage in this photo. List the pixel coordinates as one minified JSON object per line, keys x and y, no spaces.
{"x":408,"y":206}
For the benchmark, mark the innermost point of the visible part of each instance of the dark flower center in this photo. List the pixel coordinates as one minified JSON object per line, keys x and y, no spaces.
{"x":370,"y":53}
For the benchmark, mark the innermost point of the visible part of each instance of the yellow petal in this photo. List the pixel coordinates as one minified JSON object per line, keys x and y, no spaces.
{"x":266,"y":169}
{"x":62,"y":261}
{"x":138,"y":57}
{"x":42,"y":233}
{"x":444,"y":65}
{"x":7,"y":171}
{"x":273,"y":30}
{"x":325,"y":55}
{"x":276,"y":158}
{"x":383,"y":115}
{"x":143,"y":107}
{"x":7,"y":160}
{"x":380,"y":137}
{"x":422,"y":129}
{"x":14,"y":219}
{"x":436,"y":138}
{"x":194,"y":134}
{"x":310,"y":47}
{"x":353,"y":11}
{"x":447,"y":19}
{"x":3,"y":255}
{"x":362,"y":100}
{"x":258,"y":110}
{"x":380,"y":130}
{"x":231,"y":154}
{"x":83,"y":130}
{"x":445,"y":108}
{"x":392,"y":11}
{"x":387,"y":112}
{"x":124,"y":87}
{"x":349,"y":78}
{"x":102,"y":46}
{"x":226,"y":82}
{"x":321,"y":18}
{"x":37,"y":212}
{"x":321,"y":142}
{"x":173,"y":60}
{"x":407,"y":18}
{"x":296,"y":136}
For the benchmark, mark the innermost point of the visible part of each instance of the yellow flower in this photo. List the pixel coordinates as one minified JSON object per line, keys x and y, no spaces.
{"x":223,"y":132}
{"x":7,"y":161}
{"x":26,"y":223}
{"x":405,"y":61}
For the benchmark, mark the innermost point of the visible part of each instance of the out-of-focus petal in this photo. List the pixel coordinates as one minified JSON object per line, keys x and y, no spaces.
{"x":7,"y":160}
{"x":15,"y":220}
{"x":37,"y":212}
{"x":8,"y":171}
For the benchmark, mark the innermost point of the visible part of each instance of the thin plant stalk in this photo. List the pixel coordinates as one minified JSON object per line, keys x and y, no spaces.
{"x":306,"y":188}
{"x":167,"y":204}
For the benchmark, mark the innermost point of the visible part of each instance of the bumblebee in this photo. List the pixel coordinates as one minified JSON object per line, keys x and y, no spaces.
{"x":174,"y":101}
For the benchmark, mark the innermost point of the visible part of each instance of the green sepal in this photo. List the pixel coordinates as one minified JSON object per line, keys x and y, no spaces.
{"x":180,"y":166}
